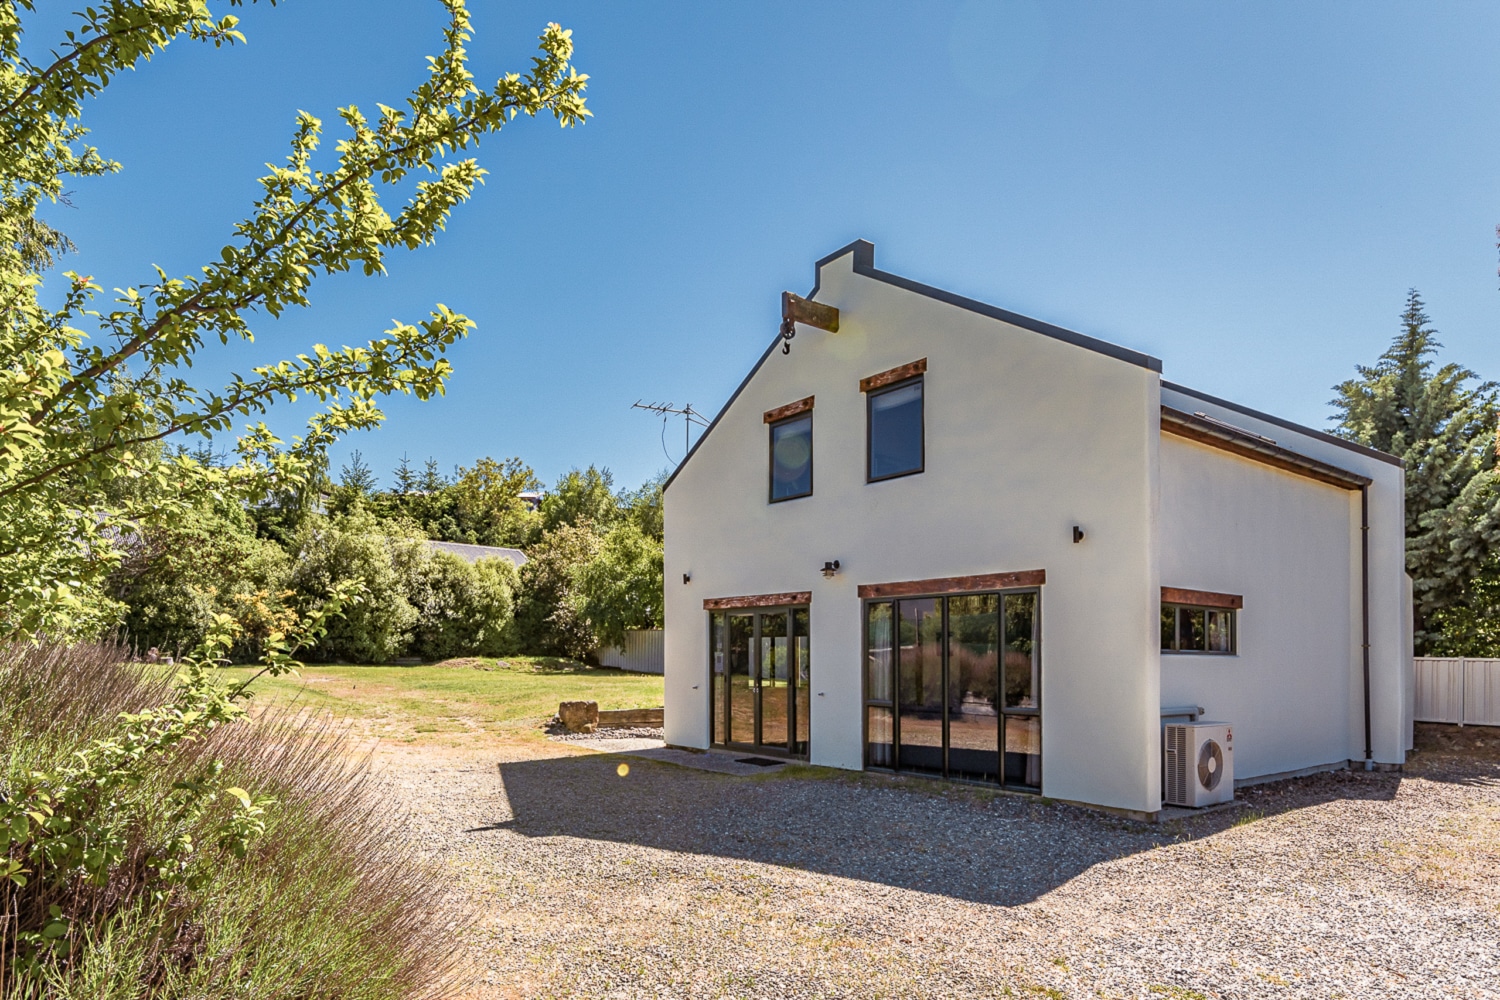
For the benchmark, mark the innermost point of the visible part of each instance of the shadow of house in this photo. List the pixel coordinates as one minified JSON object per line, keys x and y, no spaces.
{"x":965,"y":842}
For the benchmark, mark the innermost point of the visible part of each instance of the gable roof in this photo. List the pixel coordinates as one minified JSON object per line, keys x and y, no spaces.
{"x":864,"y":265}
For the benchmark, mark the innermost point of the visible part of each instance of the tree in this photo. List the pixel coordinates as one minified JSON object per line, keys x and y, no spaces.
{"x":490,"y":508}
{"x":356,"y":485}
{"x":579,"y":498}
{"x":643,"y":507}
{"x":1444,"y":428}
{"x":620,"y":588}
{"x":547,"y":618}
{"x":463,"y":608}
{"x":357,"y":550}
{"x":176,"y":576}
{"x":85,"y":390}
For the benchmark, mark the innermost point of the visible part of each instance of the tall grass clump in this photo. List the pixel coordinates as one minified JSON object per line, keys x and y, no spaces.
{"x":158,"y":843}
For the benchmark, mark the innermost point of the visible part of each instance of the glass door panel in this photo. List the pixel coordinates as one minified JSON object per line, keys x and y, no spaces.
{"x":880,"y":663}
{"x":1021,"y":681}
{"x":775,"y":680}
{"x":974,"y":686}
{"x":741,"y":681}
{"x":919,"y":685}
{"x":718,"y":656}
{"x":802,"y":668}
{"x":1023,"y":750}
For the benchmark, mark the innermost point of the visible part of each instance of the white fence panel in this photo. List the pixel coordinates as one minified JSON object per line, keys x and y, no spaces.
{"x":1440,"y":689}
{"x":1461,"y":690}
{"x":1482,"y":692}
{"x":644,"y":652}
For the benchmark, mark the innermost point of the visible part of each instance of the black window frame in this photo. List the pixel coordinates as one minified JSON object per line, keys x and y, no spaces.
{"x":795,"y":709}
{"x":892,"y":703}
{"x":771,"y":496}
{"x":1176,"y":648}
{"x":870,"y":395}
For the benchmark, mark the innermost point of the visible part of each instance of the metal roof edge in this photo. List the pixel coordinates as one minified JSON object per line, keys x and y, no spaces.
{"x":866,"y":267}
{"x":1334,"y":439}
{"x":1247,"y":444}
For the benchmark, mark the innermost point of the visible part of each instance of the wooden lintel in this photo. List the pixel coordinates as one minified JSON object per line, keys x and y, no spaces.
{"x":789,"y":410}
{"x":893,"y":375}
{"x":1201,"y":598}
{"x":758,"y":601}
{"x":809,"y":313}
{"x":955,"y":584}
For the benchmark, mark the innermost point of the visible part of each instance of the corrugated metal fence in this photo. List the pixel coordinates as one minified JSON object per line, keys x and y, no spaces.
{"x":644,"y":652}
{"x":1457,"y":689}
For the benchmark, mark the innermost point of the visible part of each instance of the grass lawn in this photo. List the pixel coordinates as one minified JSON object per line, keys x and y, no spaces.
{"x":511,"y":696}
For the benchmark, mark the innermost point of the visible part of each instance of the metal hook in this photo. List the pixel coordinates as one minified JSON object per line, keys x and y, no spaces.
{"x":788,"y":331}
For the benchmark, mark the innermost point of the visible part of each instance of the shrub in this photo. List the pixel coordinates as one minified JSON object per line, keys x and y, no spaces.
{"x":356,"y":548}
{"x":297,"y":883}
{"x":463,"y":608}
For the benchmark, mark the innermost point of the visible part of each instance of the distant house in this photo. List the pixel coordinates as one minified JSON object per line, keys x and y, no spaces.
{"x":531,"y":498}
{"x":1002,"y":551}
{"x":474,"y":553}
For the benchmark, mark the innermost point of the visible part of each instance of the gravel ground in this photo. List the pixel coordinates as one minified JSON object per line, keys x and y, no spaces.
{"x":670,"y":882}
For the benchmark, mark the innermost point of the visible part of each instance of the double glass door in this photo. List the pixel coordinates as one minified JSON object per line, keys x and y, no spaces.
{"x":952,"y":687}
{"x":761,"y":679}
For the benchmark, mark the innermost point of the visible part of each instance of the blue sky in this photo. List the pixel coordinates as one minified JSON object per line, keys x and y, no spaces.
{"x":1243,"y":190}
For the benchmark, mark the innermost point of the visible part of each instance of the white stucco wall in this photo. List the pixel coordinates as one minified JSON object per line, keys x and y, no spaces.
{"x":1026,"y":436}
{"x":1390,"y":633}
{"x":1283,"y":542}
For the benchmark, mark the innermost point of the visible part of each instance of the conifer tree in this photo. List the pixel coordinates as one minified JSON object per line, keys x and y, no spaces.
{"x":1444,"y":427}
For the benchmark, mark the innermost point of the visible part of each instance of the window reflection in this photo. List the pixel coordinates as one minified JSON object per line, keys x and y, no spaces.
{"x":896,"y":430}
{"x":791,"y":458}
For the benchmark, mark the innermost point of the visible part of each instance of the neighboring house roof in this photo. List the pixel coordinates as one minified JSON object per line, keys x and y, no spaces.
{"x":474,"y":553}
{"x":864,"y":264}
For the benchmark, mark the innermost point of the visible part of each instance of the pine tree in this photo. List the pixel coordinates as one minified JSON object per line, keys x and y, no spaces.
{"x":356,"y":476}
{"x":1444,"y":429}
{"x":406,"y":479}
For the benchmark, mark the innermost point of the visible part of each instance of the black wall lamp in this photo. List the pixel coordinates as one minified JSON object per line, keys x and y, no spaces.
{"x":830,"y":568}
{"x":687,"y":577}
{"x":1077,"y":534}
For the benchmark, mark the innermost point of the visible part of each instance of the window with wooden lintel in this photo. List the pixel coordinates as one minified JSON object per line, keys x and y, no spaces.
{"x":896,"y":438}
{"x":1199,"y":621}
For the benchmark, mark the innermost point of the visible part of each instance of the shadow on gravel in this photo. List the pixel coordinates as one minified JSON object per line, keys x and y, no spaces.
{"x":1464,"y":755}
{"x":929,"y":836}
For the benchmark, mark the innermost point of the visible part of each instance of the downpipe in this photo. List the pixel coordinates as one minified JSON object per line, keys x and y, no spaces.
{"x":1364,"y":560}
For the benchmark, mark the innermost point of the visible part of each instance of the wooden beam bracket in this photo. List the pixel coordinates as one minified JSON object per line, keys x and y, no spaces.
{"x":796,"y":309}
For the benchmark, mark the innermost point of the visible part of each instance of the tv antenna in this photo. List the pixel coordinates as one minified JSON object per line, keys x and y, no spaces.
{"x":689,"y":416}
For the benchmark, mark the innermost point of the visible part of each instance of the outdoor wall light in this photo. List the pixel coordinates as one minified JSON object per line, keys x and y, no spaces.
{"x":830,"y":568}
{"x":1077,"y":534}
{"x":687,"y":577}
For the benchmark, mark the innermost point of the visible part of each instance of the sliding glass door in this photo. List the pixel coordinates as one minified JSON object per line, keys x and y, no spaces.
{"x":952,"y":686}
{"x":761,"y":674}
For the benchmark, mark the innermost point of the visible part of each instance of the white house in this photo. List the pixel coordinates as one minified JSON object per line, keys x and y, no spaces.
{"x":957,"y":541}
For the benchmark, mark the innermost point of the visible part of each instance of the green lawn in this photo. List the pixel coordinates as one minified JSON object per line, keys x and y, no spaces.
{"x":512,"y":696}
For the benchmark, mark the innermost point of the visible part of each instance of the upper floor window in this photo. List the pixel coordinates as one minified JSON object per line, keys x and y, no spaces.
{"x":895,"y":429}
{"x":791,"y":456}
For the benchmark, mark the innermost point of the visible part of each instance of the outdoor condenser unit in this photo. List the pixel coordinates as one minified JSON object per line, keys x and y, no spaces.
{"x":1200,"y":763}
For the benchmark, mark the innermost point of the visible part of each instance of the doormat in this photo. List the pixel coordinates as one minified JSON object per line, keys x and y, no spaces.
{"x":759,"y":761}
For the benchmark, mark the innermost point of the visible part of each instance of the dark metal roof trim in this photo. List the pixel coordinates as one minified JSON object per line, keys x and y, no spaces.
{"x":1006,"y":316}
{"x":1323,"y":436}
{"x":1217,"y":434}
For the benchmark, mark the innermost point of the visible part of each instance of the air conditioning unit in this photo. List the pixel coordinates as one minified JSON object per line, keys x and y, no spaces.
{"x":1199,"y":758}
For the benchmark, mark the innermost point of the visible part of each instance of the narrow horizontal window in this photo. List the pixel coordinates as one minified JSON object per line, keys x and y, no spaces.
{"x":791,"y":458}
{"x":1189,"y":629}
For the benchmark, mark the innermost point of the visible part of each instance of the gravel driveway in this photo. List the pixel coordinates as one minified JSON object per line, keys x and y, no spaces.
{"x":671,"y":882}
